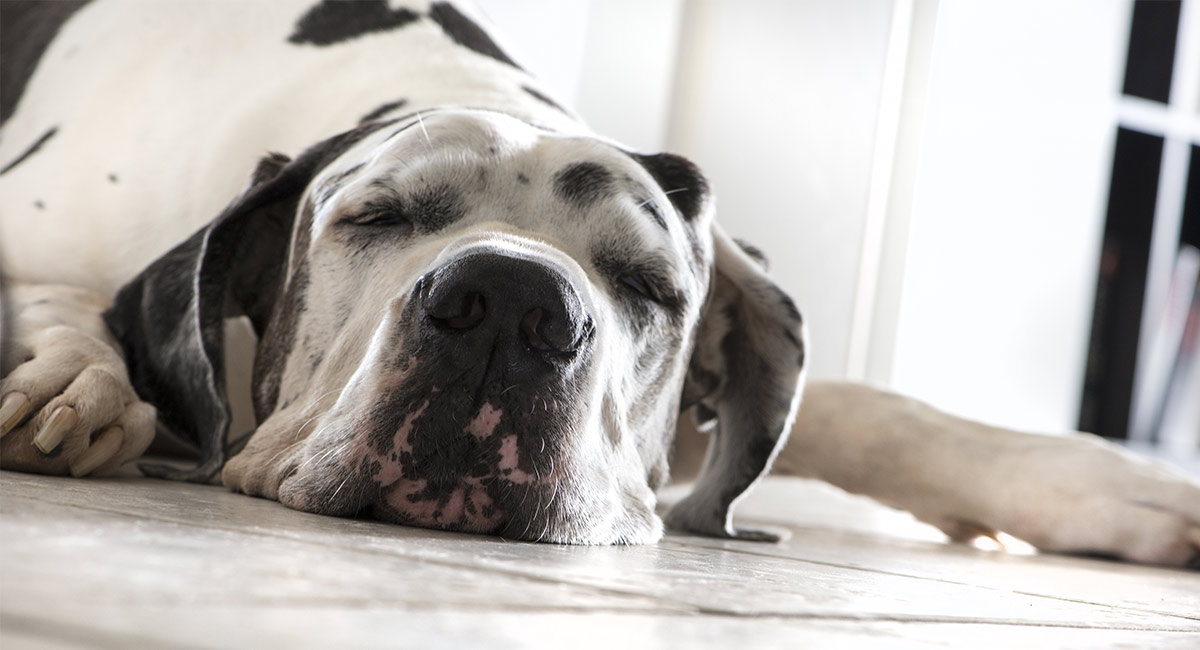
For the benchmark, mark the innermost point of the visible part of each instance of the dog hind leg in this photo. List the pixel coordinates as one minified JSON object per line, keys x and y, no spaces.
{"x":1071,"y":493}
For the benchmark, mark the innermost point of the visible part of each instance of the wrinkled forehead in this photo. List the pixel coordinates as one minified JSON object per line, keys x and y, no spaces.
{"x":501,"y":169}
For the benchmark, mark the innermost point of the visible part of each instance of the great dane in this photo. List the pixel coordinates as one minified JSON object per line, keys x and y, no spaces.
{"x":471,"y":312}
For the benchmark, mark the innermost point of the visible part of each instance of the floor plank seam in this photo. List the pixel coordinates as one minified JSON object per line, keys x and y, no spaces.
{"x":682,"y":607}
{"x":510,"y":573}
{"x":38,"y":624}
{"x":79,"y":635}
{"x":897,"y":574}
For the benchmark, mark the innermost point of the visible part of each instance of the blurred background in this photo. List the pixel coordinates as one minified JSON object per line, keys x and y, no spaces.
{"x":993,"y":206}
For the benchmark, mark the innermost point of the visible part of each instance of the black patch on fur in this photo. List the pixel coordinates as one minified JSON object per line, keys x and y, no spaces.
{"x":522,"y":178}
{"x":112,"y":178}
{"x":679,"y":179}
{"x":334,"y":184}
{"x":7,"y":358}
{"x":755,"y":254}
{"x":277,"y":343}
{"x":583,"y":183}
{"x":788,"y":305}
{"x":544,"y":99}
{"x":334,"y":21}
{"x":704,"y":414}
{"x":268,"y":167}
{"x":466,"y":33}
{"x":39,"y":204}
{"x":30,"y":151}
{"x":383,"y":110}
{"x":26,"y":29}
{"x":700,"y":383}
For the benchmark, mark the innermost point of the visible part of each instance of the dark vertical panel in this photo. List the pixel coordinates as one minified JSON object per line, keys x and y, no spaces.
{"x":1189,"y":232}
{"x":1152,"y":34}
{"x":1112,"y":351}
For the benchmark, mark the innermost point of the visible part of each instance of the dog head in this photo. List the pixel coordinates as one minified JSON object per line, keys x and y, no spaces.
{"x":472,"y":323}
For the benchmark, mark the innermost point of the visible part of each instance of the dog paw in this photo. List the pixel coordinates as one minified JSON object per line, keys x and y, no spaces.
{"x":1080,"y":494}
{"x":68,"y":406}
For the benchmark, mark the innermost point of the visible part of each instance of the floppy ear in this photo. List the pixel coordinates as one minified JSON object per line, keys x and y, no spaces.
{"x":169,"y":318}
{"x":746,"y":372}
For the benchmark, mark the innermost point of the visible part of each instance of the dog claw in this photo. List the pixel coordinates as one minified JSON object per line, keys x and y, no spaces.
{"x":106,"y":445}
{"x":52,"y":433}
{"x":13,"y":409}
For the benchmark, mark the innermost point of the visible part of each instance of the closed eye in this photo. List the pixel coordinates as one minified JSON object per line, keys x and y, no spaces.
{"x":652,"y":287}
{"x":643,"y":283}
{"x":381,"y":219}
{"x":381,"y":213}
{"x":638,"y":284}
{"x":427,"y":209}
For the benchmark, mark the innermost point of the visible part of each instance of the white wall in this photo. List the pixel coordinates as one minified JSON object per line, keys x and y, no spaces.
{"x":778,"y":103}
{"x":1008,"y":208}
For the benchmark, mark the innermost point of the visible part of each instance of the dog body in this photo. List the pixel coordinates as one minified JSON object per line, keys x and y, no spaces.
{"x":241,"y":70}
{"x":472,"y":313}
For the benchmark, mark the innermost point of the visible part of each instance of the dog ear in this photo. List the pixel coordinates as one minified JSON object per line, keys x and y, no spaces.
{"x":746,"y":373}
{"x":169,"y":319}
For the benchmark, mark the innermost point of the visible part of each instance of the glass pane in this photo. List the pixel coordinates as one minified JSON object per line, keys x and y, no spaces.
{"x":1121,"y":285}
{"x":1152,"y":35}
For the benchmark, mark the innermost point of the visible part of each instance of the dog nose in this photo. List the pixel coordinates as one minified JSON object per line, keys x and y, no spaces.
{"x":488,"y":302}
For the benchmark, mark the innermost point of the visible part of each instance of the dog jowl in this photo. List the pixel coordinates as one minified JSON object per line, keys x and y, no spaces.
{"x":472,"y":323}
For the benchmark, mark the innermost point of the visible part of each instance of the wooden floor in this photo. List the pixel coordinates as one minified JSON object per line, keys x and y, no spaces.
{"x":132,"y":563}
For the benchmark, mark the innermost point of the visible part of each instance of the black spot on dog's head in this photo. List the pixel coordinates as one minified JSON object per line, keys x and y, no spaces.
{"x":543,"y":99}
{"x":334,"y":21}
{"x":330,"y":187}
{"x":383,"y":110}
{"x":466,"y":33}
{"x":277,"y":343}
{"x":755,"y":254}
{"x":582,"y":184}
{"x":679,"y":179}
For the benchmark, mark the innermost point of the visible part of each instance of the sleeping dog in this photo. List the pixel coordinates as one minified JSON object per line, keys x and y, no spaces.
{"x":471,"y":312}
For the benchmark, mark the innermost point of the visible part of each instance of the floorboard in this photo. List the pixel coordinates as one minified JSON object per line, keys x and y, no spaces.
{"x":141,"y":563}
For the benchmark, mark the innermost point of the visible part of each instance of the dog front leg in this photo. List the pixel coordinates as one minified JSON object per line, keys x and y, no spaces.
{"x":1070,"y":493}
{"x":66,"y":403}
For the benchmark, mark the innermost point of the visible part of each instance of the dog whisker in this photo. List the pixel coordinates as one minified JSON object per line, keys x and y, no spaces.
{"x":421,"y":123}
{"x":339,"y":488}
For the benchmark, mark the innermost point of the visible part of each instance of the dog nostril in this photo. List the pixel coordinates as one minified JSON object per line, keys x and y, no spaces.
{"x":529,"y":325}
{"x":549,"y":331}
{"x":470,"y":315}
